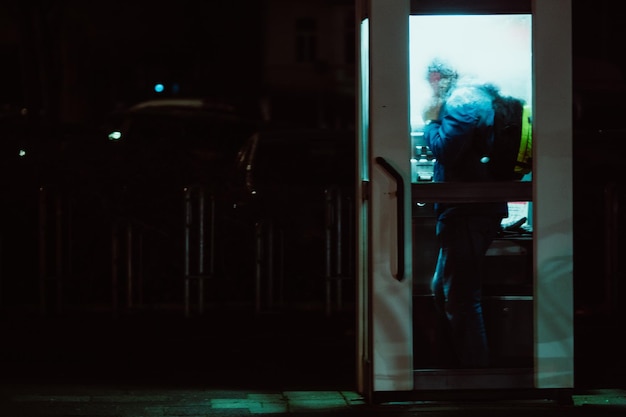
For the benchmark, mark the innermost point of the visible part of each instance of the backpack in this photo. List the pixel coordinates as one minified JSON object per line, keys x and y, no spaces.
{"x":510,"y":155}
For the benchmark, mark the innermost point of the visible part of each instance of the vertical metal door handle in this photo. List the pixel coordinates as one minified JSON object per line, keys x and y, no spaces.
{"x":400,"y":212}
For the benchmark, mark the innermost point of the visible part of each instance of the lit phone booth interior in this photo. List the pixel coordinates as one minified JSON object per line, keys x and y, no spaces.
{"x":482,"y":48}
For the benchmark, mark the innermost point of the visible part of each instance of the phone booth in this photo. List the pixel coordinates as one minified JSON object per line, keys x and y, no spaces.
{"x":524,"y":47}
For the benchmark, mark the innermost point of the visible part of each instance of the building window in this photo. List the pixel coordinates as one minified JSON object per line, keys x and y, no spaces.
{"x":306,"y":39}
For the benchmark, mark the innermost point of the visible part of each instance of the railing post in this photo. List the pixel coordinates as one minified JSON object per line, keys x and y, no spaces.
{"x":195,"y":243}
{"x":337,"y":236}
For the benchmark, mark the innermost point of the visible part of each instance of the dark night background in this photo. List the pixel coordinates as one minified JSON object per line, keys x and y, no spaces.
{"x":76,"y":62}
{"x":77,"y":65}
{"x":80,"y":61}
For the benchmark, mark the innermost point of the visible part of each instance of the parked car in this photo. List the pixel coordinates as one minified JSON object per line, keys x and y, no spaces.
{"x":114,"y":202}
{"x":177,"y":142}
{"x":166,"y":153}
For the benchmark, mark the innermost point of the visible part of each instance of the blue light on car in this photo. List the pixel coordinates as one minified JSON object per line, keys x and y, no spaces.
{"x":115,"y":136}
{"x":159,"y":88}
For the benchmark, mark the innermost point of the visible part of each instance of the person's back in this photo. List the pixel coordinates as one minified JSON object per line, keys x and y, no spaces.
{"x":458,"y":139}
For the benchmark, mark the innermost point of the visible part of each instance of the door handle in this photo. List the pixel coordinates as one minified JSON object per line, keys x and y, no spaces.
{"x":399,"y":212}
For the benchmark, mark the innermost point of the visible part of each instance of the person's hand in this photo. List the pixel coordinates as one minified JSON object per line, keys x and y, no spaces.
{"x":432,"y":110}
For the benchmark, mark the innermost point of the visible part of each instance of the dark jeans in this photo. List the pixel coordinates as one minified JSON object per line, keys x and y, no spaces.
{"x":457,"y":283}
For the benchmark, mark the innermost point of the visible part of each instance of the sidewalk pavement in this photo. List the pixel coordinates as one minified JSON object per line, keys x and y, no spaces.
{"x":270,"y":366}
{"x":79,"y":400}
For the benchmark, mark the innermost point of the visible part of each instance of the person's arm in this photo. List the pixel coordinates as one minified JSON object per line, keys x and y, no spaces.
{"x":449,"y":137}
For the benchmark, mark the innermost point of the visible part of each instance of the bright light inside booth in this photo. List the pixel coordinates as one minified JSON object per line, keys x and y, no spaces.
{"x":482,"y":48}
{"x":364,"y":102}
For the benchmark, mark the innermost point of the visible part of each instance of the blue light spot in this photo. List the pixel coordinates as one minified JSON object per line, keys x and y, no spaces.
{"x":159,"y":88}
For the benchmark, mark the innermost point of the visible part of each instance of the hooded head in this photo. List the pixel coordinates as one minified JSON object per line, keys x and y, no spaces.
{"x":442,"y":77}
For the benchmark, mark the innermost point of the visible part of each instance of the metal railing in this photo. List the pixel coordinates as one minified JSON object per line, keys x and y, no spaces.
{"x":338,"y":245}
{"x":199,"y":245}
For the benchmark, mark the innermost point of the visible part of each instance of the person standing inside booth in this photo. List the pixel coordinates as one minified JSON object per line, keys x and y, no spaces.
{"x":457,"y":121}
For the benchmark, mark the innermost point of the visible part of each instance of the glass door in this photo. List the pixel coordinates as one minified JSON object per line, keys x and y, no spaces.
{"x":471,"y":50}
